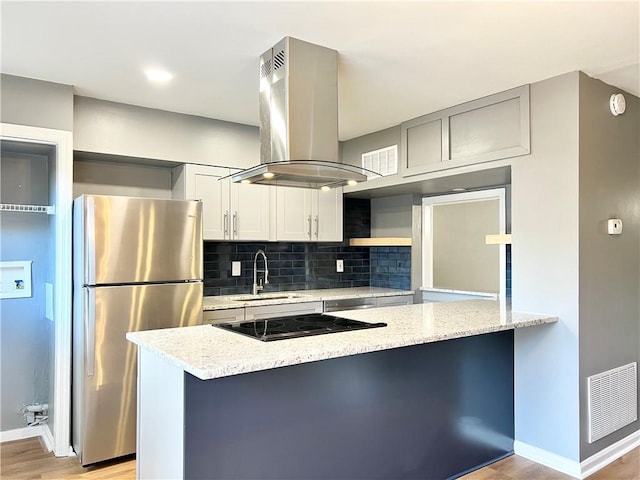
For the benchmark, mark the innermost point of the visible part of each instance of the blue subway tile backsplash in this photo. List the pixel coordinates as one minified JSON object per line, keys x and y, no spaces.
{"x":391,"y":267}
{"x":292,"y":266}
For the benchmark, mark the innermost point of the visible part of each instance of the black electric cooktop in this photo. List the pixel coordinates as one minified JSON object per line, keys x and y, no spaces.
{"x":280,"y":328}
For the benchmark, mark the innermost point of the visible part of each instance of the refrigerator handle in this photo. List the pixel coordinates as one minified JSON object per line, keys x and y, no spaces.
{"x":90,"y":332}
{"x":89,"y":243}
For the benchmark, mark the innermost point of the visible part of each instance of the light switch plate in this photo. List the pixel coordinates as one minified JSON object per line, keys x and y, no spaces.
{"x":339,"y":266}
{"x":614,"y":226}
{"x":235,"y":269}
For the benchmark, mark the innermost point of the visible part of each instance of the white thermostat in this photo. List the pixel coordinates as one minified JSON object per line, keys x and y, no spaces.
{"x":614,"y":226}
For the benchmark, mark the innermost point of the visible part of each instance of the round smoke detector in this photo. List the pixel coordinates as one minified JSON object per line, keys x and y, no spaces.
{"x":617,"y":104}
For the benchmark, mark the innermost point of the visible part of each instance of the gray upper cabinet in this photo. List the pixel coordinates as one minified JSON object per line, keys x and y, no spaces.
{"x":490,"y":128}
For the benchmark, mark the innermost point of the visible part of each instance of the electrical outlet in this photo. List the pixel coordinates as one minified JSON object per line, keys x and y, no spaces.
{"x":235,"y":269}
{"x":339,"y":266}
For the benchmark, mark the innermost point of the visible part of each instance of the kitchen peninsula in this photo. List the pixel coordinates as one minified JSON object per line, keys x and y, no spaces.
{"x":428,"y":396}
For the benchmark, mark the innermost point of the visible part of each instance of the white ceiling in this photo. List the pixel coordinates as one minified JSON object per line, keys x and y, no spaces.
{"x":398,"y":60}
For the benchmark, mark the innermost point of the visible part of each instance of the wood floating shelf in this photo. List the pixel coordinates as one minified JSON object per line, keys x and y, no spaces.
{"x":14,"y":207}
{"x":380,"y":242}
{"x":498,"y":239}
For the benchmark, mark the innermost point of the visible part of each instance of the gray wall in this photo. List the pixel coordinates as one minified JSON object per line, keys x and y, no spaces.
{"x":27,"y":354}
{"x":105,"y":178}
{"x":391,"y":216}
{"x":544,"y":203}
{"x":25,"y":333}
{"x":130,"y":131}
{"x":25,"y":101}
{"x":609,"y":182}
{"x":461,"y":258}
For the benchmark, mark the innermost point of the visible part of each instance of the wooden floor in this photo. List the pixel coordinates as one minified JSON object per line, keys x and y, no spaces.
{"x":27,"y":459}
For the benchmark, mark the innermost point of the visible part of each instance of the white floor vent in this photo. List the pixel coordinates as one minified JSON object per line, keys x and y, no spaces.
{"x":613,"y":400}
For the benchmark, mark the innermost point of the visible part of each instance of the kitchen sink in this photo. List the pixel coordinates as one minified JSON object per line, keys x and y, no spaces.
{"x":255,"y":298}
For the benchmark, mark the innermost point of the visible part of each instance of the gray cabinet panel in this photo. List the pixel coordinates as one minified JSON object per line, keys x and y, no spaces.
{"x":487,"y":129}
{"x":490,"y":128}
{"x":424,"y":144}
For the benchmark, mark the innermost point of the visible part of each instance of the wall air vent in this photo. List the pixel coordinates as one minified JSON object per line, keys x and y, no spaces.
{"x":613,"y":400}
{"x":383,"y":161}
{"x":278,"y":60}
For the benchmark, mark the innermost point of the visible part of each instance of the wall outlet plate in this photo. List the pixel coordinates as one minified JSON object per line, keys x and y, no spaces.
{"x":339,"y":266}
{"x":614,"y":226}
{"x":235,"y":269}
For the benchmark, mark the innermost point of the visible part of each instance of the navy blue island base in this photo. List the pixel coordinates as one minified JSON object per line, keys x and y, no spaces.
{"x":430,"y":411}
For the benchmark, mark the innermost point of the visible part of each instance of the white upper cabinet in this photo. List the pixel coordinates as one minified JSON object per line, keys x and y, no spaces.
{"x":230,"y":211}
{"x":249,"y":211}
{"x":309,"y":215}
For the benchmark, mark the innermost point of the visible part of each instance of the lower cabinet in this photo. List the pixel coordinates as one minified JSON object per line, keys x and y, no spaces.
{"x":257,"y":313}
{"x":394,"y":301}
{"x":223,"y":316}
{"x":284,"y":310}
{"x":288,"y":309}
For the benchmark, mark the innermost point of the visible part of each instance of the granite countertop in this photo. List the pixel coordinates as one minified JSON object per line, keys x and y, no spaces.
{"x":224,"y":302}
{"x":208,"y":352}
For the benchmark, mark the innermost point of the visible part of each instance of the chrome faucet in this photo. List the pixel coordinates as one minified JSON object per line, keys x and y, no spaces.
{"x":257,"y":287}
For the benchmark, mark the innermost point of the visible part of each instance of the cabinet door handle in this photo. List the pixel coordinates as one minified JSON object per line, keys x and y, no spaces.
{"x":235,"y":224}
{"x":317,"y":226}
{"x":309,"y":227}
{"x":226,"y":224}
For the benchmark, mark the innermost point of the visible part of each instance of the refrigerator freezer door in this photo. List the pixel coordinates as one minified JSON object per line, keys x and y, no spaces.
{"x":106,"y":372}
{"x":133,"y":240}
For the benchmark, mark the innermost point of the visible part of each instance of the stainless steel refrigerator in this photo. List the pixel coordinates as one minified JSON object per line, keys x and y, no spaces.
{"x":137,"y":266}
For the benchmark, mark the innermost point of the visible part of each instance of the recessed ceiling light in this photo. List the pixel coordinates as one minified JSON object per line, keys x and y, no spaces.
{"x":268,"y":175}
{"x":325,"y":188}
{"x":352,"y":183}
{"x":157,"y":75}
{"x":458,"y":189}
{"x":245,"y":181}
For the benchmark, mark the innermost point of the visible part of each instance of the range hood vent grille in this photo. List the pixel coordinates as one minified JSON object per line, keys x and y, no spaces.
{"x":278,"y":59}
{"x":299,"y":120}
{"x":265,"y":69}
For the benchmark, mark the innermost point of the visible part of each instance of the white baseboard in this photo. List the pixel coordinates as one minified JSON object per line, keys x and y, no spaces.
{"x":573,"y":468}
{"x":610,"y":454}
{"x":548,"y":459}
{"x":47,"y":437}
{"x":21,"y":433}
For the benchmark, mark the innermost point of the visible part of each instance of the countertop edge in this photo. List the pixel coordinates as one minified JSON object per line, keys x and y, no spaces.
{"x":354,"y":349}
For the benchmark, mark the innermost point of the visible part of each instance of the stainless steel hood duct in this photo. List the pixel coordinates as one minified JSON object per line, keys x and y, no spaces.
{"x":299,"y":119}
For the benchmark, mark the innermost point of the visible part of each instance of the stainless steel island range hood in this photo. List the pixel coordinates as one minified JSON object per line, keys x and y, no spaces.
{"x":299,"y":120}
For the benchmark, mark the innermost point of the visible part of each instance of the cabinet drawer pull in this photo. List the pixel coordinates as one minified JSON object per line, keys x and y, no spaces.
{"x":235,"y":224}
{"x":310,"y":227}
